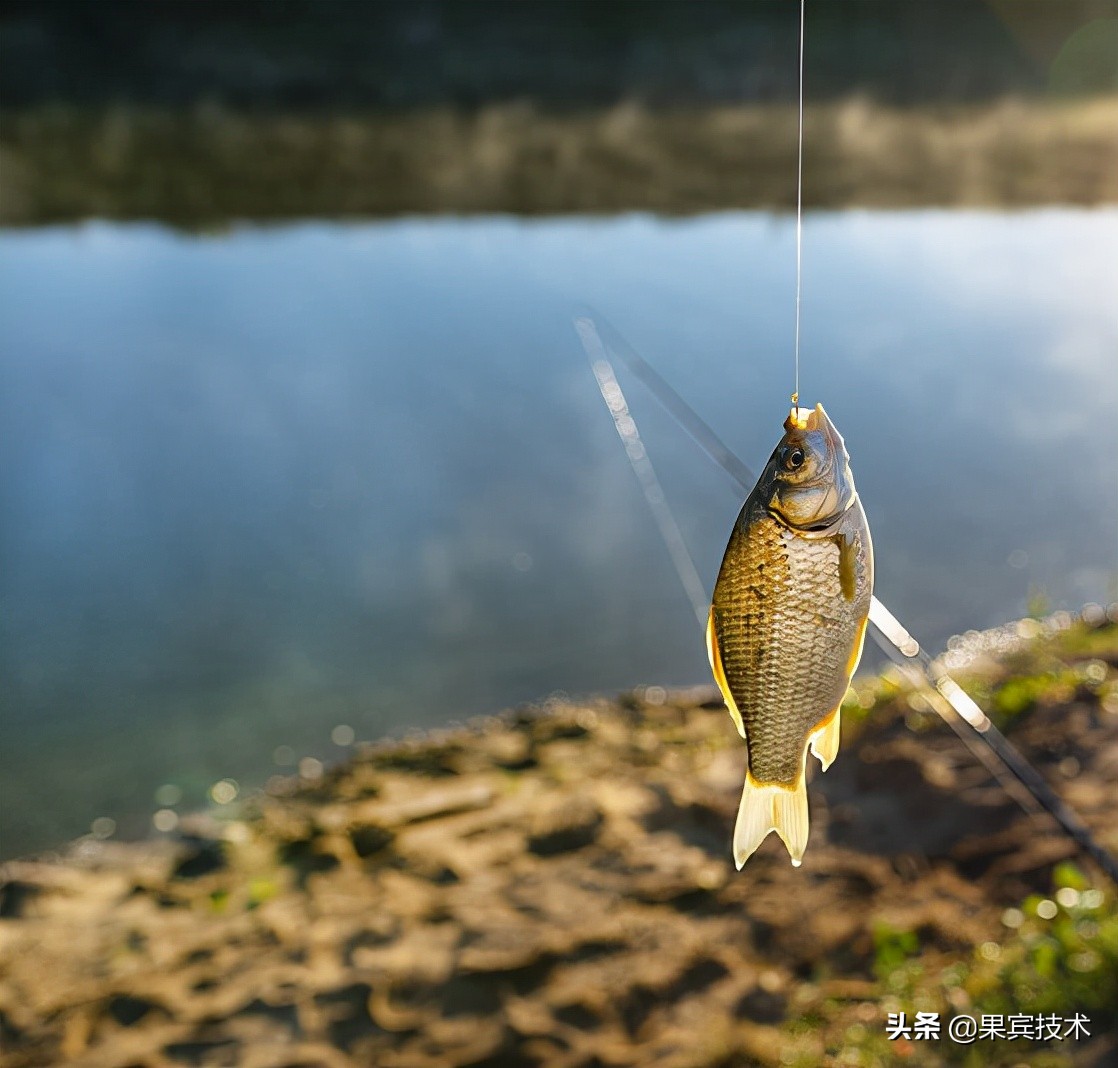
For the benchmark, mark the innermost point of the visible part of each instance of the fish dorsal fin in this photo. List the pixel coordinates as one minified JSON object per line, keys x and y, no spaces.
{"x":715,"y":657}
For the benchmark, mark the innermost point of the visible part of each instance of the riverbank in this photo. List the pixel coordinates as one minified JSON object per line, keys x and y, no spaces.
{"x":555,"y":887}
{"x":210,"y":166}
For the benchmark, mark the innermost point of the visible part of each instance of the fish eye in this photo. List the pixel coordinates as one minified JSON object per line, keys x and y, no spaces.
{"x":794,"y":459}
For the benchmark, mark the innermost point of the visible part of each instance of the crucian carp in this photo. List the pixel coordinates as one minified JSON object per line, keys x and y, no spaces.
{"x":787,"y":623}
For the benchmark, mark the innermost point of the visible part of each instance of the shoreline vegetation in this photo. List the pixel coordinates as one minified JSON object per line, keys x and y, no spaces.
{"x":208,"y":166}
{"x":555,"y":886}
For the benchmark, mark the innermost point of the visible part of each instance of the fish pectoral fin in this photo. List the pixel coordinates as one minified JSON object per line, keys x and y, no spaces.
{"x":824,"y":740}
{"x":769,"y":807}
{"x":848,"y":564}
{"x":715,"y":657}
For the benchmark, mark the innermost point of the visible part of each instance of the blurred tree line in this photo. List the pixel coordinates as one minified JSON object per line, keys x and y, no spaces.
{"x":557,"y":54}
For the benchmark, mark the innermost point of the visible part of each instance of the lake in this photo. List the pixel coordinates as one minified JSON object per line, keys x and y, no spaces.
{"x":260,"y":484}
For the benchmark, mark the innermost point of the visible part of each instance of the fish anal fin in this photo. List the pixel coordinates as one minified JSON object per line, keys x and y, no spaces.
{"x":767,"y":807}
{"x":824,"y":740}
{"x":715,"y":657}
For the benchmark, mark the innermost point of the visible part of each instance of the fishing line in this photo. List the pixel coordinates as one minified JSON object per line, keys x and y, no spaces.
{"x":799,"y":209}
{"x":946,"y":696}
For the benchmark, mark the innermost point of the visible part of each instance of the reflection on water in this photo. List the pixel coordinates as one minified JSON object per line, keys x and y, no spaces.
{"x":262,"y":485}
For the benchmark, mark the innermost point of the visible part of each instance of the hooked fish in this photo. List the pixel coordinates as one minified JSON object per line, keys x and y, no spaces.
{"x":787,"y":623}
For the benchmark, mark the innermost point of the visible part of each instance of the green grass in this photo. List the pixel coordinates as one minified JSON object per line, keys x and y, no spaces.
{"x":1056,"y":954}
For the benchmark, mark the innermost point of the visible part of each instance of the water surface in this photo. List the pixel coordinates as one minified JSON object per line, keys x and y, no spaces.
{"x":260,"y":483}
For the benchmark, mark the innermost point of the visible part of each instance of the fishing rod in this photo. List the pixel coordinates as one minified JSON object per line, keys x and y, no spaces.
{"x":947,"y":698}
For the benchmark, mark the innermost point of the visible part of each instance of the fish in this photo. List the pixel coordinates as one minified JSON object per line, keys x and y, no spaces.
{"x":787,"y":623}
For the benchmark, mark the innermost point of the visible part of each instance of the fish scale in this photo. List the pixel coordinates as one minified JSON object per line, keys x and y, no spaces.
{"x":782,"y":621}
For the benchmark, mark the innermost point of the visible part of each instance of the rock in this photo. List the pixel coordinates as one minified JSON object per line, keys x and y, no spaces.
{"x":763,"y":1006}
{"x":502,"y":950}
{"x":202,"y":856}
{"x":127,"y":1009}
{"x":562,"y":828}
{"x":15,"y":897}
{"x":370,"y":839}
{"x":427,"y":804}
{"x":309,"y":857}
{"x":345,"y":1011}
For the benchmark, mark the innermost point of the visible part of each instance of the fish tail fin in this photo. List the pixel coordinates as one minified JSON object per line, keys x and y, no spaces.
{"x":824,"y":740}
{"x":769,"y":807}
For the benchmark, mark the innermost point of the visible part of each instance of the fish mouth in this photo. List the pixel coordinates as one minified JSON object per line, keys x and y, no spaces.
{"x":806,"y":419}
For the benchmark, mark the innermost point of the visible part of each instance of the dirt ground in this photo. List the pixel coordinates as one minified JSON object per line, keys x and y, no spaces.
{"x":554,"y":887}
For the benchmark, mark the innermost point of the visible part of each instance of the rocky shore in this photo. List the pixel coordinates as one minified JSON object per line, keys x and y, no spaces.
{"x":554,"y":887}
